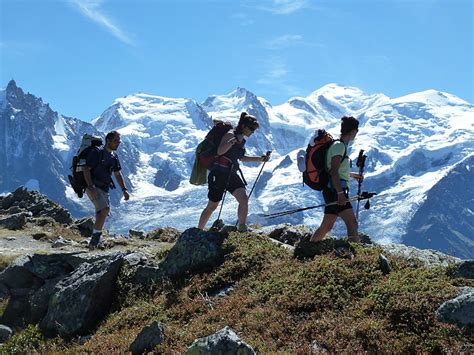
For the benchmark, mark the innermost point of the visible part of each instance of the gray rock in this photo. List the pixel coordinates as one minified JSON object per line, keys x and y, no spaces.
{"x":151,"y":336}
{"x":224,"y":341}
{"x":136,"y":234}
{"x":38,"y":204}
{"x":134,"y":259}
{"x":14,"y":210}
{"x":5,"y":333}
{"x":4,"y":292}
{"x":429,"y":258}
{"x":384,"y":264}
{"x":30,"y":281}
{"x":10,"y":239}
{"x":61,"y":242}
{"x":306,"y":249}
{"x":82,"y":299}
{"x":167,"y":234}
{"x":465,"y":269}
{"x":194,"y":251}
{"x":85,"y":226}
{"x":289,"y":234}
{"x":15,"y":221}
{"x":317,"y":348}
{"x":226,"y":291}
{"x":459,"y":310}
{"x":147,"y":275}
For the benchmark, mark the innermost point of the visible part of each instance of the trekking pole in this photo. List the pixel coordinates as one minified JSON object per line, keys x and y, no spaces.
{"x":258,"y":176}
{"x":364,"y":196}
{"x":361,"y":164}
{"x":263,"y":165}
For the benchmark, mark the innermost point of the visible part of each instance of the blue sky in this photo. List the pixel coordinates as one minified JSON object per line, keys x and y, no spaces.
{"x":79,"y":55}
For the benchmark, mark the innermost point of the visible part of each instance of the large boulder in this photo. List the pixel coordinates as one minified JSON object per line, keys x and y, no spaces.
{"x":150,"y":336}
{"x":306,"y":249}
{"x":5,"y":333}
{"x":290,"y":234}
{"x":30,"y":282}
{"x":85,"y":226}
{"x":459,"y":310}
{"x":82,"y":299}
{"x":194,"y":251}
{"x":14,"y":221}
{"x":465,"y":269}
{"x":167,"y":234}
{"x":225,"y":341}
{"x":427,"y":257}
{"x":36,"y":203}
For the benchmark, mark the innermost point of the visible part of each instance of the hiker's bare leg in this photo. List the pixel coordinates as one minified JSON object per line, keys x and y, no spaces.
{"x":350,"y":220}
{"x":241,"y":196}
{"x":100,"y":218}
{"x":206,"y":213}
{"x":324,"y":228}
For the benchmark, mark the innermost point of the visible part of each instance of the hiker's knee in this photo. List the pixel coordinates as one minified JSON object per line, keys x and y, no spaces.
{"x":241,"y":196}
{"x":212,"y":206}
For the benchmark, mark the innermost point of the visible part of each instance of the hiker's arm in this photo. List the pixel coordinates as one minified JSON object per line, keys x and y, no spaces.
{"x":226,"y":143}
{"x":259,"y":159}
{"x":90,"y":184}
{"x":119,"y":178}
{"x":263,"y":158}
{"x":357,"y":176}
{"x":336,"y":180}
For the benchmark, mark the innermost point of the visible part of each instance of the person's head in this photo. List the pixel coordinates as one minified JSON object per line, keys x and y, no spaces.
{"x":349,"y":127}
{"x":112,"y":140}
{"x":247,"y":124}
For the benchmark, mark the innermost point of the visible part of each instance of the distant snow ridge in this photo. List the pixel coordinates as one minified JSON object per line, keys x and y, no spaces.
{"x":412,"y":142}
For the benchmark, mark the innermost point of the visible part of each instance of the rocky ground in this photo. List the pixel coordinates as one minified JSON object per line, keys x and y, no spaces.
{"x":267,"y":290}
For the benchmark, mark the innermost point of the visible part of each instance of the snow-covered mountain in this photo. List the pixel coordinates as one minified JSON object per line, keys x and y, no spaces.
{"x":37,"y":145}
{"x":412,"y":142}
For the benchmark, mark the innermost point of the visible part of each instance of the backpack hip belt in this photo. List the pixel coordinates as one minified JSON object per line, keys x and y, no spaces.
{"x":223,"y":162}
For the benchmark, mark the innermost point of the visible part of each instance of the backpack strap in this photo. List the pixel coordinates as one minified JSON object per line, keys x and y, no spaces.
{"x":344,"y":156}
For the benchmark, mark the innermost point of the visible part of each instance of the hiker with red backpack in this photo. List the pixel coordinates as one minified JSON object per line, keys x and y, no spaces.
{"x":225,"y":165}
{"x":337,"y":164}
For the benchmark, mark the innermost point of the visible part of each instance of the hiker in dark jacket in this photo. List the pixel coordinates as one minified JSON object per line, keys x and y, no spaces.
{"x":223,"y":175}
{"x":338,"y":165}
{"x":100,"y":164}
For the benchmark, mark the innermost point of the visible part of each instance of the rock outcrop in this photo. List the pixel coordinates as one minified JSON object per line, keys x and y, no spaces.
{"x":225,"y":341}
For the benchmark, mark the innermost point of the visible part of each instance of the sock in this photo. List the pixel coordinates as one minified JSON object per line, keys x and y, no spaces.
{"x":96,"y":231}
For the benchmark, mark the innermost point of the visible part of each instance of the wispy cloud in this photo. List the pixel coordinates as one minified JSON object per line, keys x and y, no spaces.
{"x":92,"y":10}
{"x":275,"y":77}
{"x":283,"y":41}
{"x":284,"y":7}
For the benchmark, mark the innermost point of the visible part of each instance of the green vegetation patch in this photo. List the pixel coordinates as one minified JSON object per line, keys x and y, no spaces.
{"x":280,"y":304}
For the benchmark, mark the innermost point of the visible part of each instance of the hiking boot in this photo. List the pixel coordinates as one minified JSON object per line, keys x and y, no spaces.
{"x":242,"y":228}
{"x":95,"y":240}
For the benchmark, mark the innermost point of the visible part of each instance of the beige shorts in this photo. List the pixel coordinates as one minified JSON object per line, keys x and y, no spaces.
{"x":102,"y":201}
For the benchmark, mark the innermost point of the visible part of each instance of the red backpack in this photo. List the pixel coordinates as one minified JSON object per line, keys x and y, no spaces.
{"x":315,"y":174}
{"x":208,"y":147}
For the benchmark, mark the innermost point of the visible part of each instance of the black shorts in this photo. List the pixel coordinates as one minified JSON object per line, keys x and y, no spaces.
{"x":330,"y":195}
{"x":217,"y":182}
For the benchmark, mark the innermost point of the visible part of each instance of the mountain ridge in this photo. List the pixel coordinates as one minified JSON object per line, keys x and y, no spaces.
{"x":411,"y":145}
